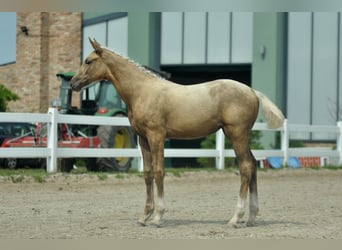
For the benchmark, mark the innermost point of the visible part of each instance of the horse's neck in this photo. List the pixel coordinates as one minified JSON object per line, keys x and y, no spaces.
{"x":129,"y":79}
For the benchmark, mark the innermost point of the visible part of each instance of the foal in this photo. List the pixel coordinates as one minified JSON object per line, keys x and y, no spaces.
{"x":160,"y":109}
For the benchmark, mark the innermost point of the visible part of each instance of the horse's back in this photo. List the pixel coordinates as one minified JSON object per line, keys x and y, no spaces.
{"x":203,"y":108}
{"x":218,"y":96}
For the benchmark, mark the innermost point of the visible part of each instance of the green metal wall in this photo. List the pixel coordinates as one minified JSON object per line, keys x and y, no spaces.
{"x":144,"y":38}
{"x":269,"y":61}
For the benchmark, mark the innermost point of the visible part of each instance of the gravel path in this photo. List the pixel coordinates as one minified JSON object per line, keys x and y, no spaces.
{"x":300,"y":203}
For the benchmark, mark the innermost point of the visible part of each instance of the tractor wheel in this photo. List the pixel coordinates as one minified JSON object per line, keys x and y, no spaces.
{"x":10,"y":163}
{"x":67,"y":164}
{"x":90,"y":164}
{"x":115,"y":137}
{"x":42,"y":163}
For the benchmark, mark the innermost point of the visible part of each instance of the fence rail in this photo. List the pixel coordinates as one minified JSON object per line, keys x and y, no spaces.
{"x":52,"y":151}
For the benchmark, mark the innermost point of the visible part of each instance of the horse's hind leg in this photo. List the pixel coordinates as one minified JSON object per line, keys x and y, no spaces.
{"x":253,"y":195}
{"x":239,"y":138}
{"x":148,"y":174}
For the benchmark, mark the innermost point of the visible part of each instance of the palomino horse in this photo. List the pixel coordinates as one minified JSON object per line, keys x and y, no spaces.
{"x":160,"y":109}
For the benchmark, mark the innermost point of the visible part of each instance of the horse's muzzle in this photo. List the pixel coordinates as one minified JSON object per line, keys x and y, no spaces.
{"x":76,"y":83}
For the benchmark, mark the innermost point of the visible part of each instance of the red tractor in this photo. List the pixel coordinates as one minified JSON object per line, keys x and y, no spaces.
{"x":32,"y":135}
{"x":13,"y":134}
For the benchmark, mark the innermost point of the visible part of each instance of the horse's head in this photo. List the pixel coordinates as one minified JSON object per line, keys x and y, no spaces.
{"x":93,"y":69}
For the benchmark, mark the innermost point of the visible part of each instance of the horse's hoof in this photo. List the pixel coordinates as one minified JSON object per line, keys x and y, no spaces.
{"x":142,"y":222}
{"x":250,"y":224}
{"x":156,"y":224}
{"x":237,"y":224}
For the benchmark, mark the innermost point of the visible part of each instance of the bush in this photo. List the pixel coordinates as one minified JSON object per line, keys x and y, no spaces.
{"x":6,"y":96}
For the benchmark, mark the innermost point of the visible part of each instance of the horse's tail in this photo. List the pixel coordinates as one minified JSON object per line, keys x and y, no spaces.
{"x":271,"y":112}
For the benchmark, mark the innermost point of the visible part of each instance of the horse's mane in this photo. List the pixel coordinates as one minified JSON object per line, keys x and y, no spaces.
{"x":136,"y":64}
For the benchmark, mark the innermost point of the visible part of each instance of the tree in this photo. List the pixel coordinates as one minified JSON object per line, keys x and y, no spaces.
{"x":6,"y":96}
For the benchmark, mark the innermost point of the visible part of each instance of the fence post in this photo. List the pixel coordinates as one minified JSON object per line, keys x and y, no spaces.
{"x":285,"y":142}
{"x":51,"y":160}
{"x":339,"y":142}
{"x":220,"y":148}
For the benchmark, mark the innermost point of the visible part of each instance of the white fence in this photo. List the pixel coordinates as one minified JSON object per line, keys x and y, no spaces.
{"x":52,"y":151}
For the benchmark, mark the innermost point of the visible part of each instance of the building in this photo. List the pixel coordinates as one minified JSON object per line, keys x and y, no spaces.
{"x":46,"y":43}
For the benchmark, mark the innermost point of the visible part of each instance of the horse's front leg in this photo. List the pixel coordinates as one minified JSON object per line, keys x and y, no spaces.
{"x":157,"y":153}
{"x":148,"y":175}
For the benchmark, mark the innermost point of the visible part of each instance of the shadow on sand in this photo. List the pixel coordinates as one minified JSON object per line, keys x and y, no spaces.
{"x":167,"y":223}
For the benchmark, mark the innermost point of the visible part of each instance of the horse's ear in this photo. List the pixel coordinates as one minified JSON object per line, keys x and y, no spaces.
{"x":96,"y":46}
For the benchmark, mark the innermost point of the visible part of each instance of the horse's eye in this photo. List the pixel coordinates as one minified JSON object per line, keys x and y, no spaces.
{"x":87,"y":61}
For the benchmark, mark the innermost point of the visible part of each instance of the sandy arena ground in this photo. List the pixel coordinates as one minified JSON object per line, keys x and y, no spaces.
{"x":301,"y":204}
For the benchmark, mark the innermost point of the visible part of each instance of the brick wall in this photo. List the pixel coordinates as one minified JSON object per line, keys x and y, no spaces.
{"x":53,"y":44}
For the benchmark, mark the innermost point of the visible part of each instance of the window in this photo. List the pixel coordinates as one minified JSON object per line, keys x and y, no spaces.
{"x":109,"y":29}
{"x":8,"y":40}
{"x":206,"y":38}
